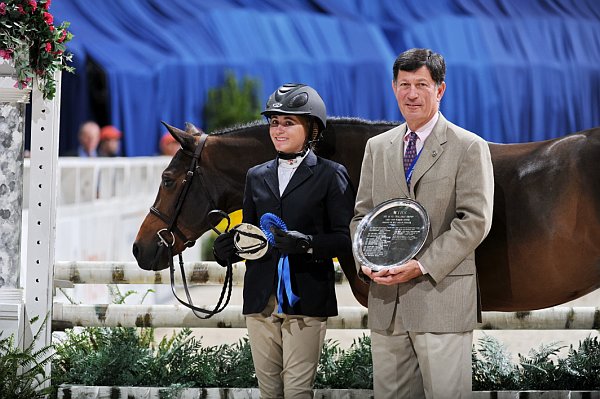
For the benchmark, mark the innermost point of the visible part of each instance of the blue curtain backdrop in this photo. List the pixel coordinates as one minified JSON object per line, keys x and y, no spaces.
{"x":517,"y":70}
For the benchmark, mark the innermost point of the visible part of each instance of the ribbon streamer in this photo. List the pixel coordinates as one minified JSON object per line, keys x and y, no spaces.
{"x":267,"y":222}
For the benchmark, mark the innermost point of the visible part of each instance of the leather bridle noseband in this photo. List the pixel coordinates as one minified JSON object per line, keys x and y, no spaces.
{"x":171,"y":230}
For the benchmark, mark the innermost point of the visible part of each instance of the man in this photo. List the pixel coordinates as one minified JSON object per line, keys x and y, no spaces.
{"x":110,"y":141}
{"x":89,"y":137}
{"x":422,"y":313}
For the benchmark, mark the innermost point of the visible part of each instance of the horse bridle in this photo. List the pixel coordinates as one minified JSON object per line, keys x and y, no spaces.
{"x":171,"y":230}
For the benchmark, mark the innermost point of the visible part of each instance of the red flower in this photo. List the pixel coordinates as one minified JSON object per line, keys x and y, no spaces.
{"x":6,"y":54}
{"x":2,"y":8}
{"x":48,"y":18}
{"x":51,"y":27}
{"x":63,"y":36}
{"x":33,"y":5}
{"x":20,"y":84}
{"x":47,"y":4}
{"x":20,"y":9}
{"x":48,"y":47}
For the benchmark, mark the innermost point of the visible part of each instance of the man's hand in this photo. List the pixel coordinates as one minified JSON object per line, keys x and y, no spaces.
{"x":394,"y":275}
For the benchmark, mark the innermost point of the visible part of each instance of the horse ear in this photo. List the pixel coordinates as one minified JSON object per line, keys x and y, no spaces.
{"x":184,"y":138}
{"x":191,"y":129}
{"x":172,"y":129}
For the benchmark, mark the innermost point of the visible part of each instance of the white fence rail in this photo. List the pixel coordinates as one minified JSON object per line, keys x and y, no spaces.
{"x":349,"y":317}
{"x":101,"y":204}
{"x":210,"y":273}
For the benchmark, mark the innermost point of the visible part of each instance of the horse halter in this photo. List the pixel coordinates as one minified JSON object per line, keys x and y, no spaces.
{"x":171,"y":230}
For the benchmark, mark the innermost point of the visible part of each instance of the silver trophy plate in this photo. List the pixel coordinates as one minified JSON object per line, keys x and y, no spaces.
{"x":391,"y":234}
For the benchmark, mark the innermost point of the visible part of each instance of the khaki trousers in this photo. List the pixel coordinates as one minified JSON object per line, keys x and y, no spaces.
{"x":285,"y":351}
{"x":410,"y":365}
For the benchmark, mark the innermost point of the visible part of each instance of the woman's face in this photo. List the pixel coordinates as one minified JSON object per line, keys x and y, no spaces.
{"x":288,"y":133}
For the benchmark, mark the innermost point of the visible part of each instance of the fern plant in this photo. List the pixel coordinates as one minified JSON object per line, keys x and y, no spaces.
{"x":232,"y":103}
{"x":234,"y":365}
{"x":346,"y":369}
{"x":23,"y":371}
{"x":582,"y":366}
{"x":492,"y":367}
{"x":538,"y":369}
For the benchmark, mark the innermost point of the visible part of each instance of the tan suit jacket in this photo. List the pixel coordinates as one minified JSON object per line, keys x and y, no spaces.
{"x":453,"y":180}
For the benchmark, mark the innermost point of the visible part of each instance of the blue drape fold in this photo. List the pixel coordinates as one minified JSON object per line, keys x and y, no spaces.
{"x":516,"y":71}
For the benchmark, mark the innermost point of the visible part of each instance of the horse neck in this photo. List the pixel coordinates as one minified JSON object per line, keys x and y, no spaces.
{"x":229,"y":156}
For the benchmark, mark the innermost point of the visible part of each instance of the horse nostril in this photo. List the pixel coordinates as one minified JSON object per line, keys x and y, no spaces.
{"x":135,"y":250}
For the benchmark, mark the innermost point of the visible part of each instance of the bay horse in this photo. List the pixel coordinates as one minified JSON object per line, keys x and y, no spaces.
{"x":544,"y":245}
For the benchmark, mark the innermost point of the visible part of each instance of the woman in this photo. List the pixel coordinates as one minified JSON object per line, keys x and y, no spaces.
{"x":315,"y":199}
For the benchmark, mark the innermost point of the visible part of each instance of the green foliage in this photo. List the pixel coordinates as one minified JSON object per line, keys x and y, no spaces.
{"x":129,"y":357}
{"x":582,"y":366}
{"x":541,"y":369}
{"x":22,"y":371}
{"x":351,"y":369}
{"x":492,"y":367}
{"x":29,"y":37}
{"x":234,"y":365}
{"x":232,"y":104}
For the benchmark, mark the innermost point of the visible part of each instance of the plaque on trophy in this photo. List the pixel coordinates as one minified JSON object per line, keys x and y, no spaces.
{"x":391,"y":234}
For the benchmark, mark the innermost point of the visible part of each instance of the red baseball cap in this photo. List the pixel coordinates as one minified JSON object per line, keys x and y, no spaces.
{"x":110,"y":133}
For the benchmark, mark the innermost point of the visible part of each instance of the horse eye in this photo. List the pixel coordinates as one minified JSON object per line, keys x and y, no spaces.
{"x":167,"y":182}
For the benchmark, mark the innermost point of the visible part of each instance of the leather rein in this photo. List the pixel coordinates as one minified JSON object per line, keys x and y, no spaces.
{"x":172,"y":230}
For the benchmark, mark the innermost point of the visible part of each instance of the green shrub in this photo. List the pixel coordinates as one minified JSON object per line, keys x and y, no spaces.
{"x":22,"y":371}
{"x":351,"y":369}
{"x":232,"y":104}
{"x":541,"y":369}
{"x":234,"y":365}
{"x":492,"y":368}
{"x":582,"y":366}
{"x":128,"y":357}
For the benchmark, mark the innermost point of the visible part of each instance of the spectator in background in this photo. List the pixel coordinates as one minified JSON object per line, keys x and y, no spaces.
{"x":89,"y":137}
{"x":110,"y":142}
{"x":168,"y":145}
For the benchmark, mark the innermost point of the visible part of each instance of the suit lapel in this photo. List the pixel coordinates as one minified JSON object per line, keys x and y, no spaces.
{"x":271,"y":178}
{"x":303,"y":172}
{"x":431,"y":151}
{"x":395,"y":158}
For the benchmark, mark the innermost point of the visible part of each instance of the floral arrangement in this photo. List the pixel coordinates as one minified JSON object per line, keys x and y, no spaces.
{"x":29,"y":37}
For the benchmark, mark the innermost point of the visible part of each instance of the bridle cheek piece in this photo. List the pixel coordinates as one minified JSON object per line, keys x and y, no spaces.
{"x":173,"y":230}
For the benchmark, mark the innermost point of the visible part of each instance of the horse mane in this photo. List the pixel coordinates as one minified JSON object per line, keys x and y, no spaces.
{"x":242,"y":128}
{"x":238,"y":128}
{"x":349,"y":120}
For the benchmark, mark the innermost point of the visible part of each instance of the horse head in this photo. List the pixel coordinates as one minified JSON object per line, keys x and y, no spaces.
{"x":200,"y":178}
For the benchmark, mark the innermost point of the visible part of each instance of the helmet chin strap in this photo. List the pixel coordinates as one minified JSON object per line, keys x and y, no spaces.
{"x":308,"y":144}
{"x":294,"y":155}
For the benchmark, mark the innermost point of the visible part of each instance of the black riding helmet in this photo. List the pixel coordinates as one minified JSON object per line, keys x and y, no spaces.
{"x":298,"y":99}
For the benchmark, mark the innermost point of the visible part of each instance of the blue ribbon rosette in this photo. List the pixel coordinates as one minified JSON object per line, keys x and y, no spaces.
{"x":267,"y":222}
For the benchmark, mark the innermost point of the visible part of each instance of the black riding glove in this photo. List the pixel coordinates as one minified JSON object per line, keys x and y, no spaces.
{"x":291,"y":242}
{"x":224,"y":249}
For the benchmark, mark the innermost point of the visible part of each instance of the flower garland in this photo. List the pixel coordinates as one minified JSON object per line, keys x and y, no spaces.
{"x":29,"y":37}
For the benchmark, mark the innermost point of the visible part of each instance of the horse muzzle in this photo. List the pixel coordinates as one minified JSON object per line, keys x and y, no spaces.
{"x":153,"y":256}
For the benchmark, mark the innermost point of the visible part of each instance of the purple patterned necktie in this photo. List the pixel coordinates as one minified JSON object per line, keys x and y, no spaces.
{"x":411,"y":151}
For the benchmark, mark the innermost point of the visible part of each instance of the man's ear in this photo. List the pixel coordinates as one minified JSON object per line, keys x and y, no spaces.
{"x":441,"y":89}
